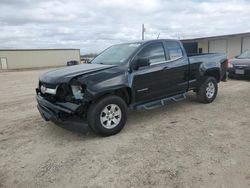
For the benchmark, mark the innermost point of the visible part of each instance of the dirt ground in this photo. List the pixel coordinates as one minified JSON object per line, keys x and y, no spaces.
{"x":185,"y":144}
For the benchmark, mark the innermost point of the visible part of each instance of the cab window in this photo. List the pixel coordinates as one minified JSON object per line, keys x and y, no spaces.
{"x":174,"y":50}
{"x":154,"y":52}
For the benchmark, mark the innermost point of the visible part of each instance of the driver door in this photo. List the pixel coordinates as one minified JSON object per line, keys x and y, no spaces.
{"x":148,"y":81}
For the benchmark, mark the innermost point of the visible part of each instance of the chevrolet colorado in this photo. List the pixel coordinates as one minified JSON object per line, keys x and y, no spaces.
{"x":138,"y":75}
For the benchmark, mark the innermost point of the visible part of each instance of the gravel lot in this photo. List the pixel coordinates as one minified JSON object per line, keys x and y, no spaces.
{"x":185,"y":144}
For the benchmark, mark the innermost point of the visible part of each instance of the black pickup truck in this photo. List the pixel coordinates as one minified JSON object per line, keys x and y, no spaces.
{"x":138,"y":75}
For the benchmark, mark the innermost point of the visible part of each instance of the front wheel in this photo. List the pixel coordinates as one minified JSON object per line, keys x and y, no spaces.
{"x":207,"y":92}
{"x":107,"y":116}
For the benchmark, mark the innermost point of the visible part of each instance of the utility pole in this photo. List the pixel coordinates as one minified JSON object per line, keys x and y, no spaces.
{"x":143,"y":31}
{"x":158,"y":36}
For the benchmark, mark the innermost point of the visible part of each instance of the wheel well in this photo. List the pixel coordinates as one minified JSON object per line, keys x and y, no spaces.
{"x":214,"y":73}
{"x":124,"y":93}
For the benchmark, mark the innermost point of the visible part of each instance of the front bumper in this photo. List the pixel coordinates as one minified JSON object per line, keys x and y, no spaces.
{"x":232,"y":72}
{"x":62,"y":114}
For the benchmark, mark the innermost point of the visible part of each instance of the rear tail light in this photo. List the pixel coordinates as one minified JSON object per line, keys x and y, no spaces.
{"x":227,"y":64}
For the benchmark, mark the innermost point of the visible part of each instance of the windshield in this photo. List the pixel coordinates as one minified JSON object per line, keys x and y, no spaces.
{"x":244,"y":55}
{"x":117,"y":54}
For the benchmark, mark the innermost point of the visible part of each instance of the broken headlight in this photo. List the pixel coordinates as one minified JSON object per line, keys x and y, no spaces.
{"x":78,"y":91}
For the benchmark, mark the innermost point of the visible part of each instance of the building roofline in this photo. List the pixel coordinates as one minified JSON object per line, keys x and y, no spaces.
{"x":218,"y":36}
{"x":49,"y":49}
{"x":146,"y":41}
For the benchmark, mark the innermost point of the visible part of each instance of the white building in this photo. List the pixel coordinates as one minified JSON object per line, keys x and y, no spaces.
{"x":36,"y":58}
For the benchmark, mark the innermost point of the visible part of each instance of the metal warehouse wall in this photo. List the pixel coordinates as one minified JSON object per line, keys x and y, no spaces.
{"x":19,"y":59}
{"x":232,"y":45}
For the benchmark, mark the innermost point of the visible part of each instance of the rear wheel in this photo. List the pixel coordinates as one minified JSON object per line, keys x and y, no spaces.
{"x":107,"y":116}
{"x":207,"y":92}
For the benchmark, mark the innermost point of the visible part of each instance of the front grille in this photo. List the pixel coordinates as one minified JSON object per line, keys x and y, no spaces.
{"x":242,"y":66}
{"x":63,"y":93}
{"x":52,"y":86}
{"x":47,"y":96}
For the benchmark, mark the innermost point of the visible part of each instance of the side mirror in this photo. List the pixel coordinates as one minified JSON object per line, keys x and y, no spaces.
{"x":236,"y":56}
{"x":140,"y":62}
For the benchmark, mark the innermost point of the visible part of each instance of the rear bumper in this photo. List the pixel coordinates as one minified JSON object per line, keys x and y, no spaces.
{"x":62,"y":114}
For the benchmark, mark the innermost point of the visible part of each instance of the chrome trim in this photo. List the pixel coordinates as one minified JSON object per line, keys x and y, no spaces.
{"x":168,"y":61}
{"x":51,"y":91}
{"x":44,"y":90}
{"x":141,"y":90}
{"x":241,"y":65}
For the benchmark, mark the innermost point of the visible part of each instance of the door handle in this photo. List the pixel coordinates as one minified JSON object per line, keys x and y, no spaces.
{"x":165,"y":68}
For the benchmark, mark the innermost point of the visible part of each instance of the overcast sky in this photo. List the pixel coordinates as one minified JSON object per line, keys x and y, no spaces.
{"x":95,"y":24}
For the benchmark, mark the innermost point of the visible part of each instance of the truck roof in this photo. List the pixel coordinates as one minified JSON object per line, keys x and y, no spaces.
{"x":148,"y":41}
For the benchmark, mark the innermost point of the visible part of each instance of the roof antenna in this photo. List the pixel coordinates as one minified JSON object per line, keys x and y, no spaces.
{"x":158,"y":35}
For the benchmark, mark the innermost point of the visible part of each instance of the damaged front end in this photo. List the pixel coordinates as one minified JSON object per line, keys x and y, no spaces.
{"x":64,"y":103}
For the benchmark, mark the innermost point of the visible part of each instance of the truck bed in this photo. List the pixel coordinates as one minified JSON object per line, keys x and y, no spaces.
{"x":210,"y":60}
{"x":206,"y":57}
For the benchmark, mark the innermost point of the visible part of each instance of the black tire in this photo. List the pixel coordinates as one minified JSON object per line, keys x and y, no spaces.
{"x":96,"y":109}
{"x":203,"y":95}
{"x":231,"y":76}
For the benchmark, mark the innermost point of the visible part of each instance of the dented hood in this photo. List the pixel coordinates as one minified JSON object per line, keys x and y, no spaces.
{"x":65,"y":74}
